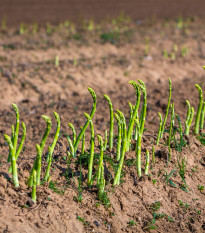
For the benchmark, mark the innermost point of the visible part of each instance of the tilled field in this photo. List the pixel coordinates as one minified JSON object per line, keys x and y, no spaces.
{"x":50,"y":70}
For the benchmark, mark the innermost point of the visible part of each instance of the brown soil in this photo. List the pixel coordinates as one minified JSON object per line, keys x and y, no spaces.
{"x":30,"y":79}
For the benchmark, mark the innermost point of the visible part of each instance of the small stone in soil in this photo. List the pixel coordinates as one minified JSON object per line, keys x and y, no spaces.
{"x":96,"y":223}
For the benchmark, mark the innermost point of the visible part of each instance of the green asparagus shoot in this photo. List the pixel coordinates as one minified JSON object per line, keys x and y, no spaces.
{"x":100,"y":161}
{"x":147,"y":163}
{"x":111,"y":122}
{"x":189,"y":117}
{"x":51,"y":148}
{"x":153,"y":155}
{"x":105,"y":143}
{"x":160,"y":128}
{"x":123,"y":150}
{"x":92,"y":144}
{"x":198,"y":115}
{"x":119,"y":139}
{"x":82,"y":132}
{"x":202,"y":117}
{"x":170,"y":130}
{"x":33,"y":193}
{"x":74,"y":132}
{"x":135,"y":113}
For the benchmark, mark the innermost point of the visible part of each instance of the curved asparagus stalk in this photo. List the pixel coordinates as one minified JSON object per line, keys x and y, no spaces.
{"x":202,"y":117}
{"x":135,"y":112}
{"x":147,"y":163}
{"x":42,"y":145}
{"x":51,"y":148}
{"x":123,"y":125}
{"x":100,"y":160}
{"x":160,"y":128}
{"x":189,"y":117}
{"x":13,"y":161}
{"x":92,"y":145}
{"x":198,"y":115}
{"x":71,"y":146}
{"x":12,"y":140}
{"x":20,"y":145}
{"x":124,"y":143}
{"x":74,"y":132}
{"x":82,"y":132}
{"x":111,"y":122}
{"x":119,"y":140}
{"x":140,"y":127}
{"x":166,"y":115}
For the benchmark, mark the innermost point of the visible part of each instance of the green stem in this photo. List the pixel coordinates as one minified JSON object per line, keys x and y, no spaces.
{"x":100,"y":160}
{"x":74,"y":132}
{"x":33,"y":193}
{"x":160,"y":128}
{"x":105,"y":142}
{"x":51,"y":148}
{"x":120,"y":165}
{"x":82,"y":132}
{"x":20,"y":145}
{"x":15,"y":140}
{"x":198,"y":115}
{"x":92,"y":145}
{"x":12,"y":140}
{"x":147,"y":163}
{"x":202,"y":117}
{"x":38,"y":165}
{"x":166,"y":115}
{"x":135,"y":113}
{"x":13,"y":161}
{"x":111,"y":122}
{"x":153,"y":155}
{"x":170,"y":130}
{"x":83,"y":145}
{"x":119,"y":140}
{"x":180,"y":130}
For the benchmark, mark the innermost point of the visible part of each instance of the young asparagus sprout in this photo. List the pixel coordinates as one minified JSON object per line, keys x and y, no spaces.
{"x":105,"y":143}
{"x":180,"y":130}
{"x":170,"y":131}
{"x":42,"y":145}
{"x":119,"y":139}
{"x":189,"y":117}
{"x":123,"y":150}
{"x":198,"y":115}
{"x":57,"y":61}
{"x":92,"y":144}
{"x":38,"y":165}
{"x":71,"y":146}
{"x":160,"y":128}
{"x":101,"y":186}
{"x":147,"y":163}
{"x":33,"y":193}
{"x":153,"y":155}
{"x":83,"y":145}
{"x":74,"y":132}
{"x":111,"y":122}
{"x":51,"y":148}
{"x":166,"y":115}
{"x":12,"y":142}
{"x":202,"y":117}
{"x":13,"y":161}
{"x":82,"y":132}
{"x":135,"y":113}
{"x":100,"y":166}
{"x":140,"y":128}
{"x":20,"y":145}
{"x":123,"y":124}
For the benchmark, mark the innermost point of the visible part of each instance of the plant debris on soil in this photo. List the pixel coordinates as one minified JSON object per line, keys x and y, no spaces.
{"x":46,"y":69}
